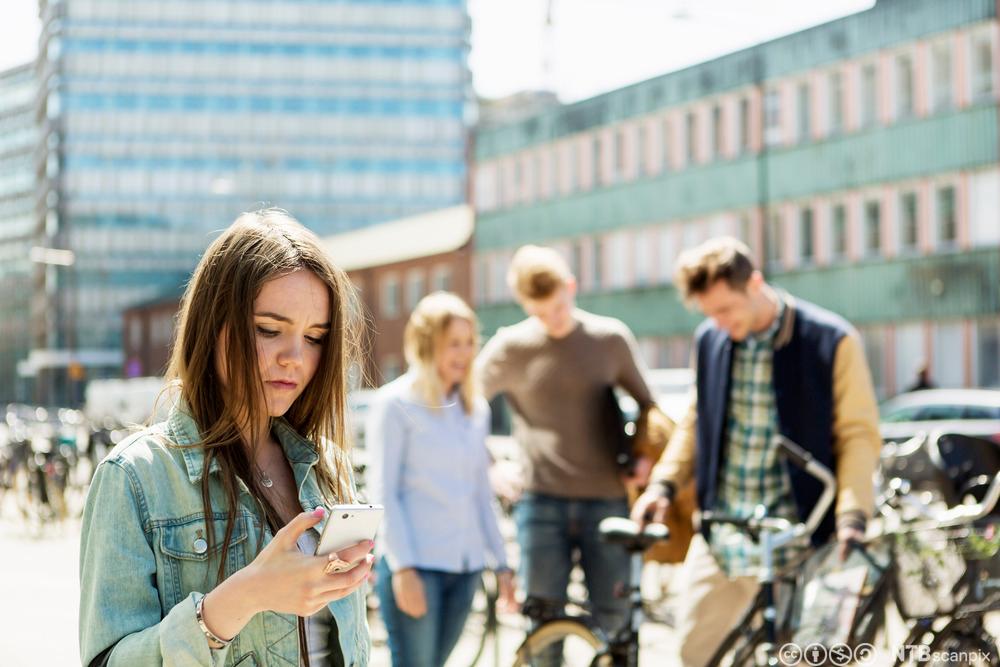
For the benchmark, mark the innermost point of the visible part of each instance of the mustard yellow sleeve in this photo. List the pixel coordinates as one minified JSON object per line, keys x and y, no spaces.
{"x":676,"y":464}
{"x":856,"y":439}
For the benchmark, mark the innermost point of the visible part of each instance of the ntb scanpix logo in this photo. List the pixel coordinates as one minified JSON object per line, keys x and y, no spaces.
{"x":816,"y":655}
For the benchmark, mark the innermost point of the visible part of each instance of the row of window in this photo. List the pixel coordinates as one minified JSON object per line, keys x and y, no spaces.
{"x":947,"y":212}
{"x":275,"y":67}
{"x":137,"y":185}
{"x":948,"y":72}
{"x":909,"y":234}
{"x":412,"y":287}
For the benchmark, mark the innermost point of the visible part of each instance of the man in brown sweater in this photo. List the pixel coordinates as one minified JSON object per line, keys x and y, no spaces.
{"x":555,"y":368}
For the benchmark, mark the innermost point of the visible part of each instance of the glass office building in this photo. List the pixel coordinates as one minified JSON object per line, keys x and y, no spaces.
{"x":161,"y":121}
{"x":18,"y":139}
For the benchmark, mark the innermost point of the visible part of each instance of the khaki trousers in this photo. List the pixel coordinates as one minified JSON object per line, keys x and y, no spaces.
{"x":709,"y":604}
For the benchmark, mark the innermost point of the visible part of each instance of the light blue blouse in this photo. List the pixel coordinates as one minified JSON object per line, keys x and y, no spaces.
{"x":428,"y":467}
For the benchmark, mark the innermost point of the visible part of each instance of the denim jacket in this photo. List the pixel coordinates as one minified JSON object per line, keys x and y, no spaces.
{"x":144,"y":561}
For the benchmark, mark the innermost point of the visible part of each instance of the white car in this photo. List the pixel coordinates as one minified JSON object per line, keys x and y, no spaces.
{"x":964,"y":411}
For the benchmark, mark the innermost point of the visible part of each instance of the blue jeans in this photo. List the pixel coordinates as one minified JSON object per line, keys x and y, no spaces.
{"x":551,"y":531}
{"x":426,"y":641}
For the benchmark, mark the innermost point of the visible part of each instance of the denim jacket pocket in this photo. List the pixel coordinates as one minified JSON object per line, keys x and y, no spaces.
{"x":187,"y":563}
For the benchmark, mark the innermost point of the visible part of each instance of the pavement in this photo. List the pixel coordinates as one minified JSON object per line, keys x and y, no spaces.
{"x":39,"y":600}
{"x":40,"y":595}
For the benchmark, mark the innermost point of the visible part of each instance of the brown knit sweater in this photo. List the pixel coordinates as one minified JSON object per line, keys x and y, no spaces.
{"x":557,"y":390}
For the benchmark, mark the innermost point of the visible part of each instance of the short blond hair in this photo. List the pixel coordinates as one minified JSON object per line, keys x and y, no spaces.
{"x":536,"y":272}
{"x":723,"y":258}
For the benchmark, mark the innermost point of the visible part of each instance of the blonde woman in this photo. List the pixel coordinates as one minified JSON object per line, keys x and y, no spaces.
{"x":199,"y":532}
{"x":427,"y":436}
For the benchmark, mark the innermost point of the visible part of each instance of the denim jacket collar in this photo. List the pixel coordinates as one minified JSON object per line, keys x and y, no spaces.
{"x":184,"y":432}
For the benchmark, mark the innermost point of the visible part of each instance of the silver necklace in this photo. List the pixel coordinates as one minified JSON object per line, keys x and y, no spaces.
{"x":263,"y":477}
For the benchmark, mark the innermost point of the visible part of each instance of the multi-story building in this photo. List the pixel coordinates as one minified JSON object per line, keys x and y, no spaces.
{"x":394,"y":265}
{"x":161,"y":121}
{"x":17,"y":222}
{"x":860,"y":159}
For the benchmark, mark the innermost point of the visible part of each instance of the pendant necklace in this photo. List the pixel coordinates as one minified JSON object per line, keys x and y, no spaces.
{"x":263,"y":477}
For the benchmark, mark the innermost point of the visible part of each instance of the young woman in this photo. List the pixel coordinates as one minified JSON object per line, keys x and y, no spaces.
{"x":199,"y":533}
{"x":426,"y":434}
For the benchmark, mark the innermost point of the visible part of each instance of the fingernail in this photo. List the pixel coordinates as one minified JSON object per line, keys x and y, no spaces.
{"x":371,"y":544}
{"x":333,"y":556}
{"x":370,"y":558}
{"x":319,"y":512}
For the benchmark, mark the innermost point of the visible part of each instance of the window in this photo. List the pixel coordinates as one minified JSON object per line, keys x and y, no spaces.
{"x":691,"y":126}
{"x":570,"y":166}
{"x":908,"y":221}
{"x":873,"y":228}
{"x":641,"y":150}
{"x":982,"y":69}
{"x":904,"y":87}
{"x":806,"y":246}
{"x":941,"y":77}
{"x":836,"y":99}
{"x":869,"y":96}
{"x":597,"y":264}
{"x":838,"y":245}
{"x":441,"y":279}
{"x":946,"y":223}
{"x":414,"y":288}
{"x":667,"y":143}
{"x":621,"y":149}
{"x":805,"y":112}
{"x":773,"y":242}
{"x":596,"y":167}
{"x":743,"y":141}
{"x":576,"y":258}
{"x":717,"y":130}
{"x":482,"y":278}
{"x":642,"y":252}
{"x":390,"y":297}
{"x":988,"y":353}
{"x":668,"y":253}
{"x":772,"y":118}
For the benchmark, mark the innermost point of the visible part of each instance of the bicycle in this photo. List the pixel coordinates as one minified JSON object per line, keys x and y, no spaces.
{"x":582,"y":641}
{"x":942,"y":574}
{"x":754,"y":639}
{"x":962,"y":634}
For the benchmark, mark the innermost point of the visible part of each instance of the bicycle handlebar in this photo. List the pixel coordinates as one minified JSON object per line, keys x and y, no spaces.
{"x":785,"y":530}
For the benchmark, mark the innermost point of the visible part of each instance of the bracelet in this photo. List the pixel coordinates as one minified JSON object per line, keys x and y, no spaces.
{"x":211,"y":636}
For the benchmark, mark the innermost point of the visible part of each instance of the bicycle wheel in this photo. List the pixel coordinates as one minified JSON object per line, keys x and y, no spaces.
{"x":578,"y":643}
{"x":739,"y":648}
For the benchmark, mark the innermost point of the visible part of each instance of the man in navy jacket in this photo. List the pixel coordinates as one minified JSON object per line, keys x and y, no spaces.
{"x":766,"y":364}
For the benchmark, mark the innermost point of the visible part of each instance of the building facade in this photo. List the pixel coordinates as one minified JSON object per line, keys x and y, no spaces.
{"x":859,"y":159}
{"x":161,"y":121}
{"x":394,"y":265}
{"x":18,"y":140}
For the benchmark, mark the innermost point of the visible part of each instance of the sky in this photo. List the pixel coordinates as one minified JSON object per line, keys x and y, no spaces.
{"x":592,"y":46}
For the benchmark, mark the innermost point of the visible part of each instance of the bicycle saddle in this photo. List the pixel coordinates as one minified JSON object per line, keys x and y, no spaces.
{"x":618,"y":530}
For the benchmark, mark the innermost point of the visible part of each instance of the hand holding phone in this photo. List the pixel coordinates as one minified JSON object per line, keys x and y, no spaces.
{"x":347,"y":525}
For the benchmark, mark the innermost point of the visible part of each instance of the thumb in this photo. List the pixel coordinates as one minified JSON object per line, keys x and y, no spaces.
{"x":293,"y":530}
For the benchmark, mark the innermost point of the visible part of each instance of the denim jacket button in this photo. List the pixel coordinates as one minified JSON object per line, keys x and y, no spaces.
{"x":200,"y":545}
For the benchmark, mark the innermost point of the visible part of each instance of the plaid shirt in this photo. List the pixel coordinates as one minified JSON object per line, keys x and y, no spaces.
{"x":753,"y":473}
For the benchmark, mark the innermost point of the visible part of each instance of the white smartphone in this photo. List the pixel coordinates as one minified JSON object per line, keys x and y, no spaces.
{"x":347,"y":525}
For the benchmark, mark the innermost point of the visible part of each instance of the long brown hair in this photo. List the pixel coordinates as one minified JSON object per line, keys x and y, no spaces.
{"x":219,"y":299}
